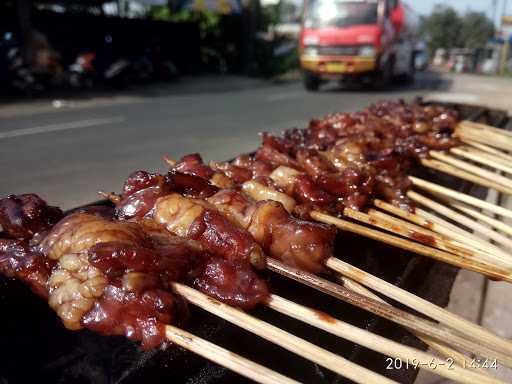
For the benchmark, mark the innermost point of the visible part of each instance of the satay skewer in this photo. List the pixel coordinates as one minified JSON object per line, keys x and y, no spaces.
{"x":373,"y":341}
{"x":484,"y":128}
{"x":429,"y":240}
{"x":420,"y":305}
{"x":503,"y":276}
{"x":505,"y":358}
{"x":451,"y":234}
{"x":458,"y":172}
{"x":280,"y":337}
{"x":490,"y":138}
{"x":329,"y":324}
{"x":442,"y":349}
{"x":224,"y":357}
{"x":482,"y":158}
{"x":451,"y":214}
{"x":384,"y":347}
{"x":473,"y":201}
{"x":442,"y":242}
{"x":443,"y":316}
{"x":494,"y":271}
{"x":499,"y":225}
{"x":479,"y":171}
{"x":485,"y":149}
{"x":447,"y":336}
{"x":415,"y":324}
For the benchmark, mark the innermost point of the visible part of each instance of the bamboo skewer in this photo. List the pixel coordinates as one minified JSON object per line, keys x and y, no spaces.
{"x":481,"y":158}
{"x":458,"y":358}
{"x":484,"y":128}
{"x":443,"y":316}
{"x":452,"y":234}
{"x":110,"y":196}
{"x":431,"y":187}
{"x":492,"y":271}
{"x":228,"y":359}
{"x":491,"y":138}
{"x":428,"y":240}
{"x":403,"y":318}
{"x":471,"y":237}
{"x":511,"y":189}
{"x":479,"y":171}
{"x":457,"y":172}
{"x":482,"y":217}
{"x":448,"y":244}
{"x":280,"y":337}
{"x":451,"y":214}
{"x":170,"y":162}
{"x":489,"y":150}
{"x":374,"y":342}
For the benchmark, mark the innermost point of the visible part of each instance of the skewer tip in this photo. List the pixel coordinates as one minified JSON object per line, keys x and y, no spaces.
{"x":170,"y":161}
{"x":110,"y":196}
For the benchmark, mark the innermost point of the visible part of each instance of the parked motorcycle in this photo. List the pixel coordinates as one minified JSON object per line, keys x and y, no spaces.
{"x":81,"y":73}
{"x":17,"y":76}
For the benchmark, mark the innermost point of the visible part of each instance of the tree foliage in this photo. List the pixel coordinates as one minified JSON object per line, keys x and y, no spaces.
{"x":476,"y":29}
{"x":445,"y":28}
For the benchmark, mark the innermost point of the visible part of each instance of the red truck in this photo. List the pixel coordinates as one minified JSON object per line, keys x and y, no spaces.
{"x":349,"y":40}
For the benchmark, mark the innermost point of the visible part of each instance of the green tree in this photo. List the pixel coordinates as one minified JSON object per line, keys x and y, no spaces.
{"x":445,"y":28}
{"x":476,"y":29}
{"x":442,"y":28}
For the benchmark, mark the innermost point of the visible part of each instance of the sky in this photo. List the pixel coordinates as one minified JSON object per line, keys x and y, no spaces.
{"x":425,"y":6}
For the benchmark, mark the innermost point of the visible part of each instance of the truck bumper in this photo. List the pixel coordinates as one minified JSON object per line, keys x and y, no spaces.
{"x":338,"y":67}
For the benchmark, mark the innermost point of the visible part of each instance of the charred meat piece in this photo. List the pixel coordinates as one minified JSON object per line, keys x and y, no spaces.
{"x":297,"y":242}
{"x":193,"y":165}
{"x":232,"y":282}
{"x":23,"y":216}
{"x":256,"y":167}
{"x":140,"y":192}
{"x":139,"y":180}
{"x":22,"y":261}
{"x":198,"y":220}
{"x":190,"y":185}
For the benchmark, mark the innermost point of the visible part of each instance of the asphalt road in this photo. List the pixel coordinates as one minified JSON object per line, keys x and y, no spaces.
{"x":67,"y":154}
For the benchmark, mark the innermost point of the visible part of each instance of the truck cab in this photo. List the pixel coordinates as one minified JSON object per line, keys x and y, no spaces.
{"x":356,"y":40}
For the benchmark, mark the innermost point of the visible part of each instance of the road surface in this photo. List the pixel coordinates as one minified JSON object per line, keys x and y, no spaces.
{"x":67,"y":154}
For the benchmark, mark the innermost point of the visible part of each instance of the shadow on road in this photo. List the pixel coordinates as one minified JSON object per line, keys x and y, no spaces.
{"x":424,"y":81}
{"x":221,"y":84}
{"x":191,"y":85}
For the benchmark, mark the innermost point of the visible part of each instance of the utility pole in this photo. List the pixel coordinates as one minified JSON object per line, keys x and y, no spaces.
{"x":506,"y":24}
{"x":494,"y":6}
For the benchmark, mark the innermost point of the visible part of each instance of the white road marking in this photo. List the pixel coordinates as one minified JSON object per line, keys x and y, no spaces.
{"x":61,"y":127}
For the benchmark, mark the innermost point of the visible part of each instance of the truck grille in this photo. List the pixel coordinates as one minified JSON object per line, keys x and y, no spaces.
{"x":337,"y":50}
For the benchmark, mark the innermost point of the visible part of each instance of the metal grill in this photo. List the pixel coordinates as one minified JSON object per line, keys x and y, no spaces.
{"x":40,"y":349}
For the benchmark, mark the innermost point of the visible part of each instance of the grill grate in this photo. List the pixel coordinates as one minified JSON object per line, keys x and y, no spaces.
{"x":39,"y":348}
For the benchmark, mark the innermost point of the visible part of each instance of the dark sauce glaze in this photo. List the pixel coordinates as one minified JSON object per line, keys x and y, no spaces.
{"x":23,"y":216}
{"x":324,"y":317}
{"x":424,"y":239}
{"x":225,"y":239}
{"x":24,"y":262}
{"x":136,"y":300}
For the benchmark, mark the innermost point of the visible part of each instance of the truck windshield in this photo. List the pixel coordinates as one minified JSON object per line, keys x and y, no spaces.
{"x":340,"y":13}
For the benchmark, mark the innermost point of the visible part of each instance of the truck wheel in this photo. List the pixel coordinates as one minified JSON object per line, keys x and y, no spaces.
{"x":409,"y":77}
{"x":385,"y":75}
{"x":311,"y":81}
